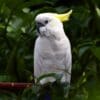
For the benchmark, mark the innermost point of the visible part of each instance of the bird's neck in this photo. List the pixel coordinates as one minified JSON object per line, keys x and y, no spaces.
{"x":59,"y":35}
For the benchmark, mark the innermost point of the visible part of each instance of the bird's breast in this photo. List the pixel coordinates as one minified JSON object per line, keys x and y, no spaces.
{"x":47,"y":44}
{"x":52,"y":49}
{"x":52,"y":54}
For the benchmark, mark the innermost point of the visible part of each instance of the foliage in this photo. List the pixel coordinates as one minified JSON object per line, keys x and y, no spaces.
{"x":17,"y":37}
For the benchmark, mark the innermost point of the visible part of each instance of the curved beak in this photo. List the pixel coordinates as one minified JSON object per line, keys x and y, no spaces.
{"x":38,"y":25}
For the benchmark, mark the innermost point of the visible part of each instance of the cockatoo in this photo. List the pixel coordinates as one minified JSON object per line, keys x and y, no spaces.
{"x":52,"y":53}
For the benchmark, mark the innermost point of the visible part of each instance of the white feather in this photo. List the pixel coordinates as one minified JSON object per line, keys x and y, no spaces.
{"x":53,"y":53}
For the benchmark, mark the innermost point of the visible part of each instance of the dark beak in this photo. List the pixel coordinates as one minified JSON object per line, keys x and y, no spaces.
{"x":38,"y":25}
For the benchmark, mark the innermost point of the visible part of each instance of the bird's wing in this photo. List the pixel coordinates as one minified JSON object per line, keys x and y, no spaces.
{"x":68,"y":65}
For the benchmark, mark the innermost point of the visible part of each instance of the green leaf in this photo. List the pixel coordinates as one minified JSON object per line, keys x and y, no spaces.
{"x":30,"y":93}
{"x":5,"y":78}
{"x":4,"y":95}
{"x":98,"y":11}
{"x":96,"y":52}
{"x":37,"y":1}
{"x":83,"y":50}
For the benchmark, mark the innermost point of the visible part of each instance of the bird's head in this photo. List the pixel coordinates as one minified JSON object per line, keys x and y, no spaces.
{"x":50,"y":23}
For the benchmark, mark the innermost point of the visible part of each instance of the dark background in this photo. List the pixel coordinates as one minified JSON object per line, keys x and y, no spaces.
{"x":18,"y":34}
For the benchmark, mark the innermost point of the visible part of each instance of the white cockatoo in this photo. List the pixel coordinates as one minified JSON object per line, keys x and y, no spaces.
{"x":52,"y":52}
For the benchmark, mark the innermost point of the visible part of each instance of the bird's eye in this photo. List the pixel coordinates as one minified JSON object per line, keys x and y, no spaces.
{"x":46,"y":21}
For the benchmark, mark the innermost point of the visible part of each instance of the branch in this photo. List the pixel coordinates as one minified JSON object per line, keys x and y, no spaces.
{"x":9,"y":85}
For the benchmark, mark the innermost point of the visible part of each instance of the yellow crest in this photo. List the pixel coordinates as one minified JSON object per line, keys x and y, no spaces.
{"x":64,"y":17}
